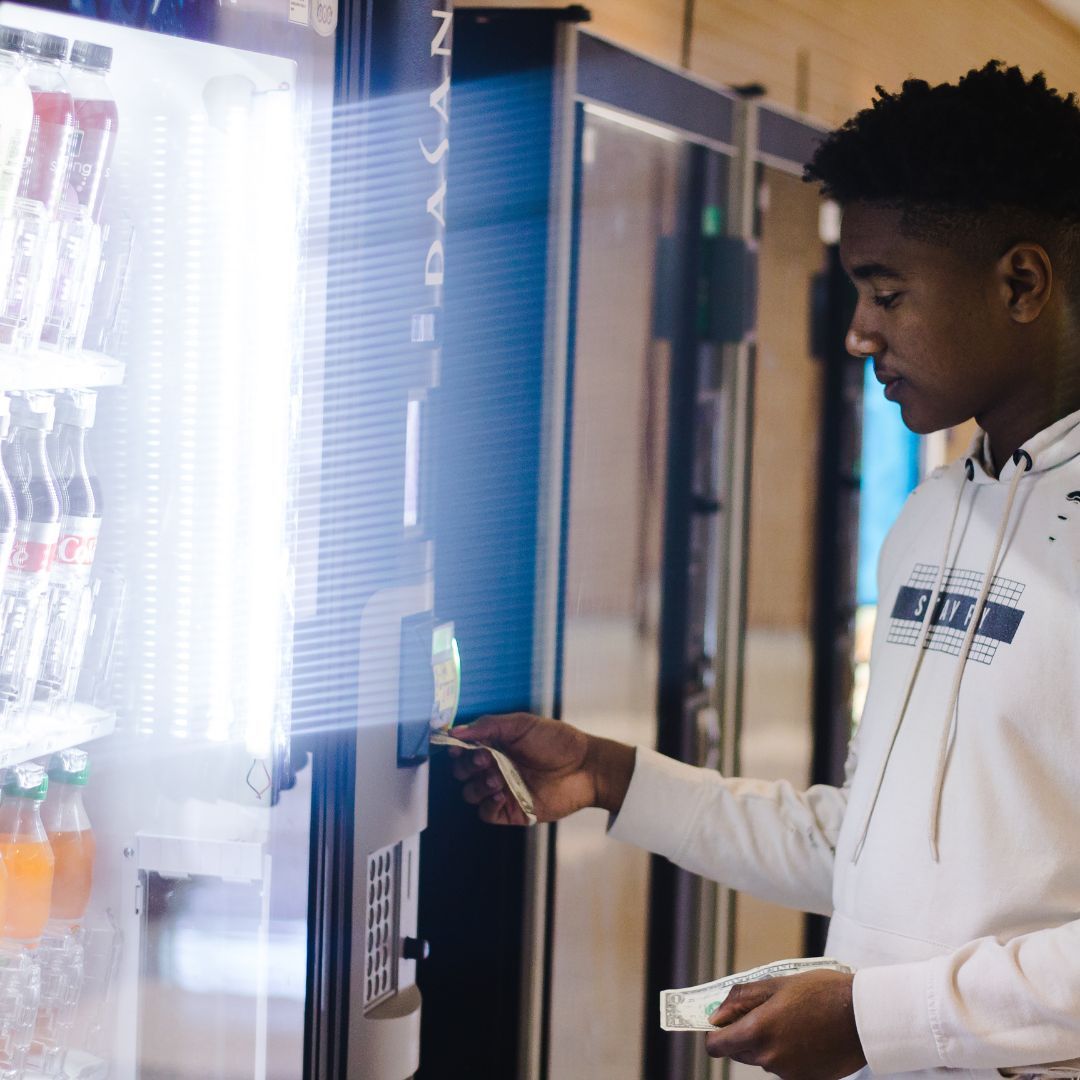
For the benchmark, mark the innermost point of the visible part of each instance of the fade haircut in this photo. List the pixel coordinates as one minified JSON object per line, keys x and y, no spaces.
{"x":979,"y":164}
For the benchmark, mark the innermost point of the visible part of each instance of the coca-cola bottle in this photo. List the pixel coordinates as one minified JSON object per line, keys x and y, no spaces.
{"x":23,"y":599}
{"x":8,"y":513}
{"x":70,"y":598}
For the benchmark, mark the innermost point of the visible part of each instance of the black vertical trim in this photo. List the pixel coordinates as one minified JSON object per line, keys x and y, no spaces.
{"x":329,"y":907}
{"x":333,"y":745}
{"x":381,"y":230}
{"x":490,"y":441}
{"x":837,"y":537}
{"x":564,"y":545}
{"x":672,"y":891}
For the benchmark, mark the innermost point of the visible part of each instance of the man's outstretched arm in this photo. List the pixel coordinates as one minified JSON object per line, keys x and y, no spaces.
{"x":763,"y":837}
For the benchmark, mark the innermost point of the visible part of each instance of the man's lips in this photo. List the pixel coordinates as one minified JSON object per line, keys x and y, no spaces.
{"x":890,"y":380}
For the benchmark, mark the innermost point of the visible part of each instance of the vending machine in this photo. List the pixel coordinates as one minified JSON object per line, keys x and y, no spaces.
{"x":221,"y":273}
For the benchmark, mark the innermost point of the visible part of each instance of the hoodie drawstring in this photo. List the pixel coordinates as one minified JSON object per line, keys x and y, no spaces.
{"x":949,"y":734}
{"x":924,"y":632}
{"x":916,"y":663}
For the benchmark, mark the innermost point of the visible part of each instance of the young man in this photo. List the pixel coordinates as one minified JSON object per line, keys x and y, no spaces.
{"x":950,"y":860}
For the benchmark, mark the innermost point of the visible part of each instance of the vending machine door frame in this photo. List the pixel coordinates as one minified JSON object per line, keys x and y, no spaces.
{"x":388,"y":146}
{"x":548,"y":67}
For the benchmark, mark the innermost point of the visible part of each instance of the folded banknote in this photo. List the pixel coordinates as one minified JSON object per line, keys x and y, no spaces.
{"x":689,"y":1008}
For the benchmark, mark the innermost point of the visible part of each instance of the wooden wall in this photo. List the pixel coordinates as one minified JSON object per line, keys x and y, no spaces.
{"x":787,"y":411}
{"x":824,"y":57}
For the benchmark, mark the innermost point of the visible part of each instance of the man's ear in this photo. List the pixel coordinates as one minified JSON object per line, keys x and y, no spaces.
{"x":1025,"y":276}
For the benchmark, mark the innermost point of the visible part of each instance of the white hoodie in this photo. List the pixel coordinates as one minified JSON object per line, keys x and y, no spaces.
{"x":950,"y":863}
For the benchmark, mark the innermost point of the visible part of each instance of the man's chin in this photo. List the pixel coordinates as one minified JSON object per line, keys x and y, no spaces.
{"x":916,"y":423}
{"x":921,"y":422}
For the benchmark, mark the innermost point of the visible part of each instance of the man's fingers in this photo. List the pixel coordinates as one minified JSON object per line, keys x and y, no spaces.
{"x":471,"y":763}
{"x":485,"y":729}
{"x":740,"y":1035}
{"x":500,"y":809}
{"x":483,"y":786}
{"x":497,"y":731}
{"x":740,"y":1041}
{"x":742,"y":999}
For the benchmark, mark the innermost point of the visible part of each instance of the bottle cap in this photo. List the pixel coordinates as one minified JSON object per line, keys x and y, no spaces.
{"x":33,"y":409}
{"x":86,"y":54}
{"x":29,"y":45}
{"x":70,"y":767}
{"x":76,"y":407}
{"x":11,"y":39}
{"x":27,"y":781}
{"x":47,"y":46}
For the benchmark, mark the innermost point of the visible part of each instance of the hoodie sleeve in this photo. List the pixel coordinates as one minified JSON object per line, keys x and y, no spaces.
{"x":989,"y":1004}
{"x":763,"y":837}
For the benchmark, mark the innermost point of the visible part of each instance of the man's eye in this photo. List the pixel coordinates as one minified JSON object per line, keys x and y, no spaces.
{"x":886,"y":300}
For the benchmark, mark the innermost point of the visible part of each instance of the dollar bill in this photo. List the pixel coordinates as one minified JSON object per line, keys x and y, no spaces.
{"x":1065,"y":1070}
{"x":517,"y":786}
{"x":689,"y":1008}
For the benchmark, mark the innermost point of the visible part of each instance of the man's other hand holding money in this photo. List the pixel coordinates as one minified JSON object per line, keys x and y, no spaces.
{"x":800,"y":1027}
{"x":564,"y":769}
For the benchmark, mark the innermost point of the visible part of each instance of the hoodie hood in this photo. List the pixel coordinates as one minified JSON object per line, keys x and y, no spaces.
{"x":1051,"y":447}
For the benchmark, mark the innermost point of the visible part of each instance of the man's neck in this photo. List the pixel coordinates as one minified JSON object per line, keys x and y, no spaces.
{"x":1007,"y":434}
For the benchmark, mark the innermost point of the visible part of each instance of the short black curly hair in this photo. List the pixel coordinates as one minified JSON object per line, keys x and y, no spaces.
{"x":992,"y":138}
{"x":993,"y":148}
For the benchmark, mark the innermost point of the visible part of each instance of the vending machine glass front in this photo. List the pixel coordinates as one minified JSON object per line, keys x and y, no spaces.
{"x":154,"y":333}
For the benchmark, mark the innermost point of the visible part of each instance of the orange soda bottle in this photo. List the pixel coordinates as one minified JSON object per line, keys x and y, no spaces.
{"x":3,"y":889}
{"x":70,"y":835}
{"x":27,"y":856}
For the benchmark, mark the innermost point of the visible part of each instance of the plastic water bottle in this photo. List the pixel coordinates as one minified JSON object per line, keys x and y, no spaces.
{"x":70,"y":597}
{"x":24,"y":596}
{"x":8,"y":513}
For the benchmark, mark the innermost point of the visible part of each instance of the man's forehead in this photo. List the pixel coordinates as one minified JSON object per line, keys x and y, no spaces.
{"x":872,"y":243}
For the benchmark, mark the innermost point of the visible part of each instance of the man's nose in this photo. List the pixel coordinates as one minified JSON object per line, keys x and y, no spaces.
{"x":862,"y":342}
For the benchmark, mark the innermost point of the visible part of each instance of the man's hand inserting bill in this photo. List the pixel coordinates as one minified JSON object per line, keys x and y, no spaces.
{"x":799,"y":1027}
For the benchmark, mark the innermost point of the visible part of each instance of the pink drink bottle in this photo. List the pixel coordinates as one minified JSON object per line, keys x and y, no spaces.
{"x":16,"y":118}
{"x":48,"y":153}
{"x":79,"y":243}
{"x":96,"y":124}
{"x":29,"y":270}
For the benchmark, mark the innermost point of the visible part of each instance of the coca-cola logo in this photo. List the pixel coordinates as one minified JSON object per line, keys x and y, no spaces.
{"x":76,"y":550}
{"x":30,"y":557}
{"x":20,"y":554}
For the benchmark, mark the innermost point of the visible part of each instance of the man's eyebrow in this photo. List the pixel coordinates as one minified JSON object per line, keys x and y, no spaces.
{"x":875,"y":270}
